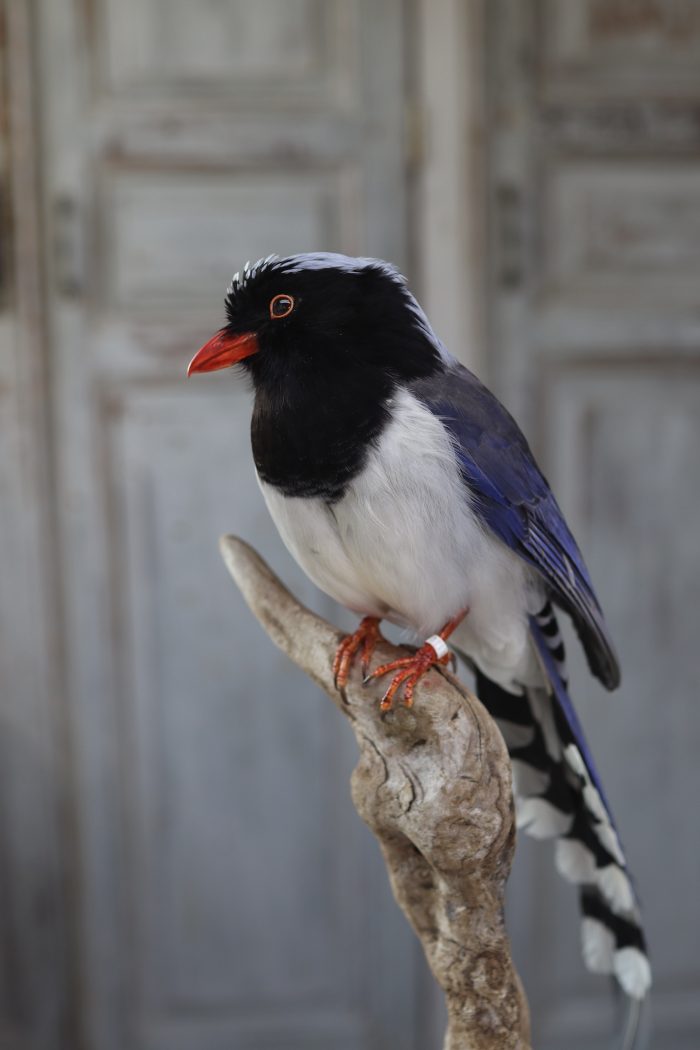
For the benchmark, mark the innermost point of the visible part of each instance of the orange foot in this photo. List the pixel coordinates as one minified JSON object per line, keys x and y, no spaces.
{"x":364,"y":641}
{"x":410,"y":669}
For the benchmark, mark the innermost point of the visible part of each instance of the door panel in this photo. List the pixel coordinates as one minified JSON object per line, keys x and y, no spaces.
{"x":619,"y":49}
{"x":35,"y":971}
{"x":242,"y":906}
{"x":230,"y":897}
{"x":169,"y":238}
{"x":296,"y":52}
{"x":596,"y":348}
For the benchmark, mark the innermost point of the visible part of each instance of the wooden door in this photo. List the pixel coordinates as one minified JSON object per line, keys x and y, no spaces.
{"x":594,"y":173}
{"x":229,"y":896}
{"x":35,"y":968}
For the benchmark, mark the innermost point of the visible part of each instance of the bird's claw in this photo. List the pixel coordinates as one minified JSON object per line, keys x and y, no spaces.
{"x":364,"y":641}
{"x":408,"y":671}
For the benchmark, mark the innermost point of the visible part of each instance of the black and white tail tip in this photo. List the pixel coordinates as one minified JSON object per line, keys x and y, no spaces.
{"x":557,"y":797}
{"x":592,"y":857}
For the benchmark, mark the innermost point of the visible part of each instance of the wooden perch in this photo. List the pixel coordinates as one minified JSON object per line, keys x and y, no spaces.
{"x":434,"y":785}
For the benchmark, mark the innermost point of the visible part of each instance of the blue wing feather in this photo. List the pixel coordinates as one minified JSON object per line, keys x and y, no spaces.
{"x":513,"y":499}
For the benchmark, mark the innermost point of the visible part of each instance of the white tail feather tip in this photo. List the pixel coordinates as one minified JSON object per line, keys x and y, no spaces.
{"x":541,"y":819}
{"x":574,"y":861}
{"x":598,"y":946}
{"x":616,"y":888}
{"x":633,"y":971}
{"x":591,"y":797}
{"x":575,"y":759}
{"x":608,"y":836}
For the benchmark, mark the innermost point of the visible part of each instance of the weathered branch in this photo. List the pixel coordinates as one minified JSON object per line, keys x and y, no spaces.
{"x":434,"y":785}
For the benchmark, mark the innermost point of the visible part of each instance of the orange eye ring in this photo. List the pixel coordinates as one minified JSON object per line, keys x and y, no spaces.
{"x":281,"y":306}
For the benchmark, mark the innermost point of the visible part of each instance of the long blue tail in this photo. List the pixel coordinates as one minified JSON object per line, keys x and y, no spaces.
{"x":559,"y":796}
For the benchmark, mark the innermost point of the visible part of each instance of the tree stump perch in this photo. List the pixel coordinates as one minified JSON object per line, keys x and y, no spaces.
{"x":434,"y":785}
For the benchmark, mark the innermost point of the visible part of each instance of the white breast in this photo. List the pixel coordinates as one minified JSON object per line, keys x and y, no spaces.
{"x":404,"y":544}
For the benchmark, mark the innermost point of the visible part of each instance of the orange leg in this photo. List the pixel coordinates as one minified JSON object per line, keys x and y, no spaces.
{"x":410,"y":669}
{"x":363,"y":641}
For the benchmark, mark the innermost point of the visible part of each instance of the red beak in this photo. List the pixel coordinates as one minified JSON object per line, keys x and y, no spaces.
{"x":222,"y":351}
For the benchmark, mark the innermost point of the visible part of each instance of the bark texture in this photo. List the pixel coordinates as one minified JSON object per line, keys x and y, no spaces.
{"x":434,"y":785}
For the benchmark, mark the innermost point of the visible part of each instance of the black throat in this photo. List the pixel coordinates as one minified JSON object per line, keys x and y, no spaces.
{"x":324,"y":377}
{"x":312,"y":436}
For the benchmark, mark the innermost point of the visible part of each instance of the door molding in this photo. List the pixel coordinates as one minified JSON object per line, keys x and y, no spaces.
{"x":450,"y":188}
{"x":34,"y":834}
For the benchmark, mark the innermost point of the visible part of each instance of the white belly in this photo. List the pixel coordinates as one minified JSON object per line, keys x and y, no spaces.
{"x":403,"y":544}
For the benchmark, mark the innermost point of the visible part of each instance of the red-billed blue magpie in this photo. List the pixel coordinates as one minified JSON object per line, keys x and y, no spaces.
{"x":408,"y":493}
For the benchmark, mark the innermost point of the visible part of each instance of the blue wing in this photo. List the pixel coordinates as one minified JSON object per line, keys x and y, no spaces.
{"x":514,"y":500}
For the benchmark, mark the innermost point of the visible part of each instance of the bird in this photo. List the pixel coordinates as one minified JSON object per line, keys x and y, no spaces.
{"x":408,"y":493}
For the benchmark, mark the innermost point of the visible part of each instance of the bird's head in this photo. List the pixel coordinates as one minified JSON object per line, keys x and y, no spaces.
{"x":322,"y":314}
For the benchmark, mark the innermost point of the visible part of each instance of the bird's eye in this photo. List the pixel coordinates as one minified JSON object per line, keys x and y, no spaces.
{"x":281,"y":306}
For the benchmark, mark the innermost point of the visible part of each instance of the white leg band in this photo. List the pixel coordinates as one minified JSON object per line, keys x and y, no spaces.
{"x":438,"y":644}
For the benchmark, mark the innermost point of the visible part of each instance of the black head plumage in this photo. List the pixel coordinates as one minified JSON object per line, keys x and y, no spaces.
{"x":349,"y":316}
{"x":326,"y":340}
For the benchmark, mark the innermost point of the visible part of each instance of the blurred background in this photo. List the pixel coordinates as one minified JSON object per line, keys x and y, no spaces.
{"x":180,"y":864}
